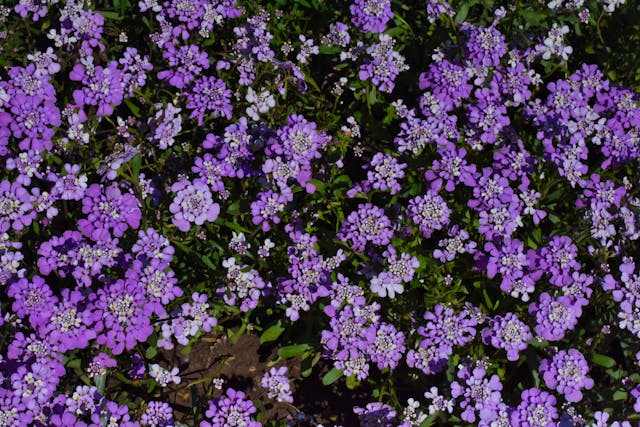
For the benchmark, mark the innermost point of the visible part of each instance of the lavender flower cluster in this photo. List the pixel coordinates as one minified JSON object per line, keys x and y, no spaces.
{"x":439,"y":230}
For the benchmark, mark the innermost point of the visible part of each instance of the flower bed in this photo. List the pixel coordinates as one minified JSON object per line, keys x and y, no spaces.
{"x":307,"y":212}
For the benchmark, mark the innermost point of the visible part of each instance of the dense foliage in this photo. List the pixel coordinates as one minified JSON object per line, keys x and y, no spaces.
{"x":305,"y":212}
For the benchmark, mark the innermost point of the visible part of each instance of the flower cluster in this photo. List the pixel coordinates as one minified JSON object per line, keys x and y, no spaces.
{"x":435,"y":193}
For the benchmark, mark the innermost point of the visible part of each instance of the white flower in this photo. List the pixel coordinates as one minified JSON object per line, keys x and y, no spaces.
{"x":260,"y":102}
{"x":163,"y":376}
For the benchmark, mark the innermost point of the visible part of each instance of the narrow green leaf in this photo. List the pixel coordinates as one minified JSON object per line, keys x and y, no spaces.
{"x":136,"y":163}
{"x":111,"y":15}
{"x":430,"y":420}
{"x":132,"y":107}
{"x":100,"y":381}
{"x":75,"y":363}
{"x":620,"y":395}
{"x":293,"y":350}
{"x":462,"y":13}
{"x":151,"y":352}
{"x":352,"y":382}
{"x":604,"y":361}
{"x":272,"y":333}
{"x":207,"y":261}
{"x":331,"y":376}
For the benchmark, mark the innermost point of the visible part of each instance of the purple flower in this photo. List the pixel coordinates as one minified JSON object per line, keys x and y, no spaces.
{"x":507,"y":258}
{"x":117,"y":415}
{"x":277,"y":384}
{"x":157,"y":279}
{"x":488,"y":114}
{"x":27,"y":164}
{"x":98,"y":366}
{"x":134,"y":67}
{"x":448,"y":81}
{"x":268,"y":208}
{"x":484,"y":46}
{"x":109,"y":209}
{"x":437,"y":8}
{"x":212,"y":170}
{"x":241,"y":285}
{"x":193,"y":203}
{"x":32,"y":348}
{"x":566,"y":373}
{"x":384,"y":63}
{"x":456,"y":243}
{"x":451,"y":168}
{"x":384,"y":173}
{"x":430,"y":212}
{"x":138,"y":368}
{"x":33,"y":120}
{"x":478,"y":394}
{"x":70,"y":322}
{"x":537,"y":409}
{"x":558,"y":260}
{"x":282,"y":171}
{"x":188,"y":59}
{"x":299,"y":140}
{"x":509,"y":333}
{"x":153,"y":245}
{"x":371,"y":15}
{"x":415,"y":133}
{"x":376,"y":414}
{"x":209,"y":94}
{"x":385,"y":345}
{"x":16,"y":209}
{"x":399,"y":271}
{"x":230,"y":409}
{"x":70,"y":186}
{"x":157,"y":414}
{"x":445,"y":327}
{"x":32,"y":298}
{"x":555,"y":315}
{"x":102,"y":86}
{"x":197,"y":310}
{"x":24,"y":7}
{"x":352,"y":332}
{"x":367,"y":224}
{"x":492,"y":190}
{"x":36,"y":383}
{"x":123,"y":312}
{"x":166,"y":125}
{"x":430,"y":359}
{"x":66,"y":419}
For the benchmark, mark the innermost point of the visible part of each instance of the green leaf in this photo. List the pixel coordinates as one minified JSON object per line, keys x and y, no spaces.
{"x":306,"y":372}
{"x":133,"y":107}
{"x":136,"y":163}
{"x":320,"y":186}
{"x":462,"y":13}
{"x":100,"y":381}
{"x":373,"y":94}
{"x":293,"y":350}
{"x":487,"y":300}
{"x":207,"y":261}
{"x":620,"y":395}
{"x":352,"y":382}
{"x":604,"y":361}
{"x":272,"y":333}
{"x":430,"y":420}
{"x":330,"y":50}
{"x":331,"y":376}
{"x":235,"y":337}
{"x":151,"y":352}
{"x":111,"y":15}
{"x":75,"y":363}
